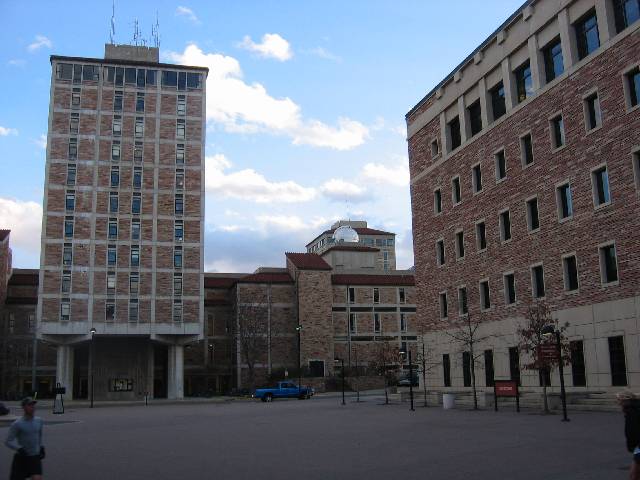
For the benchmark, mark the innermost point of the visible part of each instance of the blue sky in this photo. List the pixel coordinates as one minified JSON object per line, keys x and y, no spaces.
{"x":305,"y":110}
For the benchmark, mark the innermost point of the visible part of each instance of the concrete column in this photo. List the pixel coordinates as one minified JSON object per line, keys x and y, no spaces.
{"x":568,"y":40}
{"x":444,"y":144}
{"x":536,"y":63}
{"x":150,"y":369}
{"x":606,"y":20}
{"x":465,"y":128}
{"x":64,"y":369}
{"x":175,"y":390}
{"x":484,"y":102}
{"x":508,"y":83}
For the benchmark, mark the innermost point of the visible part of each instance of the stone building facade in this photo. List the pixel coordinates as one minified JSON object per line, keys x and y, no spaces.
{"x":525,"y":188}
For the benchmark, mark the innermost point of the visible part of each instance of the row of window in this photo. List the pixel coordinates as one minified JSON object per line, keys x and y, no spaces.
{"x":587,"y":40}
{"x":114,"y":177}
{"x":116,"y":151}
{"x":608,"y":276}
{"x":351,"y":295}
{"x":114,"y":203}
{"x":377,"y":323}
{"x":110,"y":310}
{"x":112,"y":233}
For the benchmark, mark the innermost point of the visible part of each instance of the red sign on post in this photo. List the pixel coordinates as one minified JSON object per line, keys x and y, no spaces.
{"x":548,"y":351}
{"x":506,"y":389}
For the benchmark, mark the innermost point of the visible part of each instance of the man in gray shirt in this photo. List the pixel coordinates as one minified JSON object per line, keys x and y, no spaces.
{"x":25,"y":437}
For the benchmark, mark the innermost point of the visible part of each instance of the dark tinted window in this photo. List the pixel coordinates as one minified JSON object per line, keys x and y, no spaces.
{"x":194,"y":80}
{"x":475,"y":117}
{"x":553,"y":64}
{"x":454,"y":132}
{"x":524,"y":82}
{"x":617,"y":362}
{"x":633,"y":83}
{"x":182,"y":80}
{"x":626,"y":13}
{"x":488,"y":368}
{"x":577,"y":363}
{"x":446,"y":369}
{"x":514,"y":364}
{"x":587,"y":36}
{"x":141,"y":77}
{"x":527,"y":149}
{"x":466,"y":369}
{"x":498,"y":101}
{"x":130,"y":76}
{"x":151,"y":77}
{"x":169,"y":78}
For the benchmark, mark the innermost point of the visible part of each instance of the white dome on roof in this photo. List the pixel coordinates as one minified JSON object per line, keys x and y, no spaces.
{"x":345,"y":234}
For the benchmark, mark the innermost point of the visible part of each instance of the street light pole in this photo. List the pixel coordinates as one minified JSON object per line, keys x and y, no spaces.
{"x":563,"y":394}
{"x":411,"y":380}
{"x":92,"y":331}
{"x":341,"y":360}
{"x":299,"y":330}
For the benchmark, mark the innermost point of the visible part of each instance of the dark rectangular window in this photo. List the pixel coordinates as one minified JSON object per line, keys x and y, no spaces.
{"x":115,"y":176}
{"x":141,"y":78}
{"x":463,"y":306}
{"x":115,"y":150}
{"x":488,"y":368}
{"x":617,"y":362}
{"x":501,"y":165}
{"x":130,"y":76}
{"x":169,"y":78}
{"x":514,"y":364}
{"x":74,"y":123}
{"x":117,"y":102}
{"x":112,"y":255}
{"x":109,"y":312}
{"x":633,"y":85}
{"x":119,"y":79}
{"x":570,"y":266}
{"x":460,"y":244}
{"x":151,"y":77}
{"x":509,"y":289}
{"x":181,"y":105}
{"x":526,"y":149}
{"x":565,"y":203}
{"x":137,"y":153}
{"x":71,"y":174}
{"x":481,"y":235}
{"x":587,"y":37}
{"x":544,"y":376}
{"x":578,"y":373}
{"x":179,"y":205}
{"x":454,"y":133}
{"x":446,"y":369}
{"x":73,"y":148}
{"x":194,"y":80}
{"x":466,"y":369}
{"x":608,"y":264}
{"x":135,"y":229}
{"x":475,"y":117}
{"x":553,"y":64}
{"x":77,"y":73}
{"x":113,"y":229}
{"x":505,"y":226}
{"x":178,"y":231}
{"x":626,"y":13}
{"x":557,"y":131}
{"x":68,"y":227}
{"x":64,"y":71}
{"x":351,"y":294}
{"x":533,"y":217}
{"x":456,"y":191}
{"x":140,"y":102}
{"x":444,"y":307}
{"x":476,"y":179}
{"x":135,"y":256}
{"x":70,"y":202}
{"x":177,"y":257}
{"x":498,"y":102}
{"x":437,"y":201}
{"x":537,"y":281}
{"x":376,"y":295}
{"x":485,"y":295}
{"x":601,"y":186}
{"x":182,"y":80}
{"x":440,"y":256}
{"x":180,"y":153}
{"x":67,"y":254}
{"x":376,"y":323}
{"x":113,"y":202}
{"x":524,"y":82}
{"x":137,"y":177}
{"x":136,"y":204}
{"x":592,"y":111}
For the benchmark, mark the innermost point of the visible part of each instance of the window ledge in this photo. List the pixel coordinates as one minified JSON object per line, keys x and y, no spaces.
{"x":455,"y":204}
{"x":610,"y":284}
{"x":633,"y":109}
{"x":505,"y":242}
{"x":536,"y":230}
{"x":558,"y":149}
{"x":594,"y":129}
{"x":511,"y":305}
{"x":500,"y":180}
{"x":565,"y":219}
{"x":602,"y":206}
{"x":484,"y":250}
{"x":486,"y":309}
{"x":572,"y":292}
{"x":527,"y":165}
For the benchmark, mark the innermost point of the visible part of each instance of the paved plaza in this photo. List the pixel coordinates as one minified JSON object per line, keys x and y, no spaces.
{"x":321,"y":439}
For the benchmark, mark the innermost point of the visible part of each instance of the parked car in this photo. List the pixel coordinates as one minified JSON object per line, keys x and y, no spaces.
{"x":404,"y":381}
{"x":283,"y":390}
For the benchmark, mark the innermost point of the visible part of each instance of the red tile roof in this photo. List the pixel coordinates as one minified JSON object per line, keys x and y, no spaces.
{"x":26,"y":277}
{"x":308,"y":261}
{"x":360,"y":279}
{"x":267,"y":278}
{"x":351,"y":248}
{"x":4,"y":234}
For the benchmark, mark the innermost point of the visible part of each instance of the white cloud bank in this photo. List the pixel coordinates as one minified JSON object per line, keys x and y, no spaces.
{"x":188,"y":14}
{"x":5,"y":132}
{"x":40,"y":42}
{"x":396,"y":175}
{"x":338,"y":189}
{"x":24,"y":219}
{"x":248,"y":108}
{"x":272,"y":46}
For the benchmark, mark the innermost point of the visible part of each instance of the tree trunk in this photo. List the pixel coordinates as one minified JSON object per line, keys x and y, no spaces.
{"x":473,"y":378}
{"x":544,"y":394}
{"x":424,"y":382}
{"x":386,"y":393}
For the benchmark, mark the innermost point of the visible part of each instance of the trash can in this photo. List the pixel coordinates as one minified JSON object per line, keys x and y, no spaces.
{"x":448,"y":401}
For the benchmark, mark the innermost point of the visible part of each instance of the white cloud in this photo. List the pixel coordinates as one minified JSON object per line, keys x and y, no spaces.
{"x":188,"y":14}
{"x":340,"y":190}
{"x":5,"y":132}
{"x":324,"y":53}
{"x":272,"y":46}
{"x":396,"y":175}
{"x":41,"y":141}
{"x":24,"y":219}
{"x":39,"y":42}
{"x":250,"y":185}
{"x":287,"y":223}
{"x":248,"y":108}
{"x":17,"y":62}
{"x":400,"y":130}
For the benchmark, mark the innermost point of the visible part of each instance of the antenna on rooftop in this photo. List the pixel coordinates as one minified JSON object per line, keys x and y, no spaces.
{"x":112,"y":32}
{"x":136,"y":32}
{"x":155,"y":32}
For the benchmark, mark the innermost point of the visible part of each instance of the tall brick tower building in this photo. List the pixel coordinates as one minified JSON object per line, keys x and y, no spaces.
{"x":121,"y":269}
{"x":525,"y":188}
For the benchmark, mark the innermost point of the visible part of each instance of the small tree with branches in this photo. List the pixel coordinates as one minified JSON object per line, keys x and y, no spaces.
{"x":531,"y":341}
{"x":385,"y":362}
{"x":251,"y":335}
{"x":425,"y":362}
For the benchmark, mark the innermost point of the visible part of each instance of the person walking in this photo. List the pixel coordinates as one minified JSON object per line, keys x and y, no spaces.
{"x":630,"y":403}
{"x":25,"y":437}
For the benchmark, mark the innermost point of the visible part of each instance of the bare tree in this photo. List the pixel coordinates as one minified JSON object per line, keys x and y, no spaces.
{"x":425,"y":362}
{"x":251,"y":334}
{"x":531,"y":341}
{"x":385,"y":363}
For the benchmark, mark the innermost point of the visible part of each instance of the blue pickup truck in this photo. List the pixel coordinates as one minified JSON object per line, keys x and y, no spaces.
{"x":283,"y":390}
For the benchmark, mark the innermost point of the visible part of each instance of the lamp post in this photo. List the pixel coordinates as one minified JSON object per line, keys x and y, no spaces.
{"x":341,"y":360}
{"x":548,"y":331}
{"x":299,"y":330}
{"x":403,"y":352}
{"x":92,"y":332}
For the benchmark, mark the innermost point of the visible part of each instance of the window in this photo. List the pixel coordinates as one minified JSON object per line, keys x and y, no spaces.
{"x":134,"y":283}
{"x":177,"y":311}
{"x":481,"y":236}
{"x":115,"y":176}
{"x":570,"y":270}
{"x":179,"y":179}
{"x":65,"y":310}
{"x":133,"y":310}
{"x":74,"y":123}
{"x":139,"y":128}
{"x":553,"y":64}
{"x":111,"y":282}
{"x":636,"y":168}
{"x":177,"y":284}
{"x":617,"y":361}
{"x":182,"y":80}
{"x":514,"y":364}
{"x":68,"y":227}
{"x":112,"y":255}
{"x":509,"y":281}
{"x":73,"y":148}
{"x":180,"y":129}
{"x":353,"y":323}
{"x":600,"y":182}
{"x":403,"y":322}
{"x":626,"y":12}
{"x":113,"y":228}
{"x":454,"y":133}
{"x":177,"y":257}
{"x":498,"y":104}
{"x":557,"y":132}
{"x":110,"y":312}
{"x":446,"y":370}
{"x":537,"y":281}
{"x":587,"y":38}
{"x":137,"y":152}
{"x":67,"y":254}
{"x":444,"y":310}
{"x":116,"y":126}
{"x":178,"y":231}
{"x":113,"y":202}
{"x":524,"y":82}
{"x":119,"y":76}
{"x":440,"y":257}
{"x":90,"y":73}
{"x":632,"y":84}
{"x":466,"y":369}
{"x":64,"y":71}
{"x":402,"y":296}
{"x":485,"y":295}
{"x":180,"y":154}
{"x":565,"y":203}
{"x":141,"y":78}
{"x":460,"y":244}
{"x":351,"y":295}
{"x":194,"y":80}
{"x":505,"y":226}
{"x":77,"y":73}
{"x":376,"y":295}
{"x":136,"y":204}
{"x":115,"y":150}
{"x":463,"y":307}
{"x":140,"y":102}
{"x":179,"y":204}
{"x":533,"y":216}
{"x":71,"y":174}
{"x":70,"y":201}
{"x":376,"y":323}
{"x":169,"y":78}
{"x":608,"y":264}
{"x":181,"y":106}
{"x":135,"y":229}
{"x":435,"y":148}
{"x":592,"y":113}
{"x":476,"y":179}
{"x":75,"y":98}
{"x":130,"y":76}
{"x":488,"y":368}
{"x":526,"y":149}
{"x":137,"y":177}
{"x":475,"y":117}
{"x":66,"y":282}
{"x":117,"y":101}
{"x":437,"y":201}
{"x":456,"y":193}
{"x":576,"y":348}
{"x":135,"y":256}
